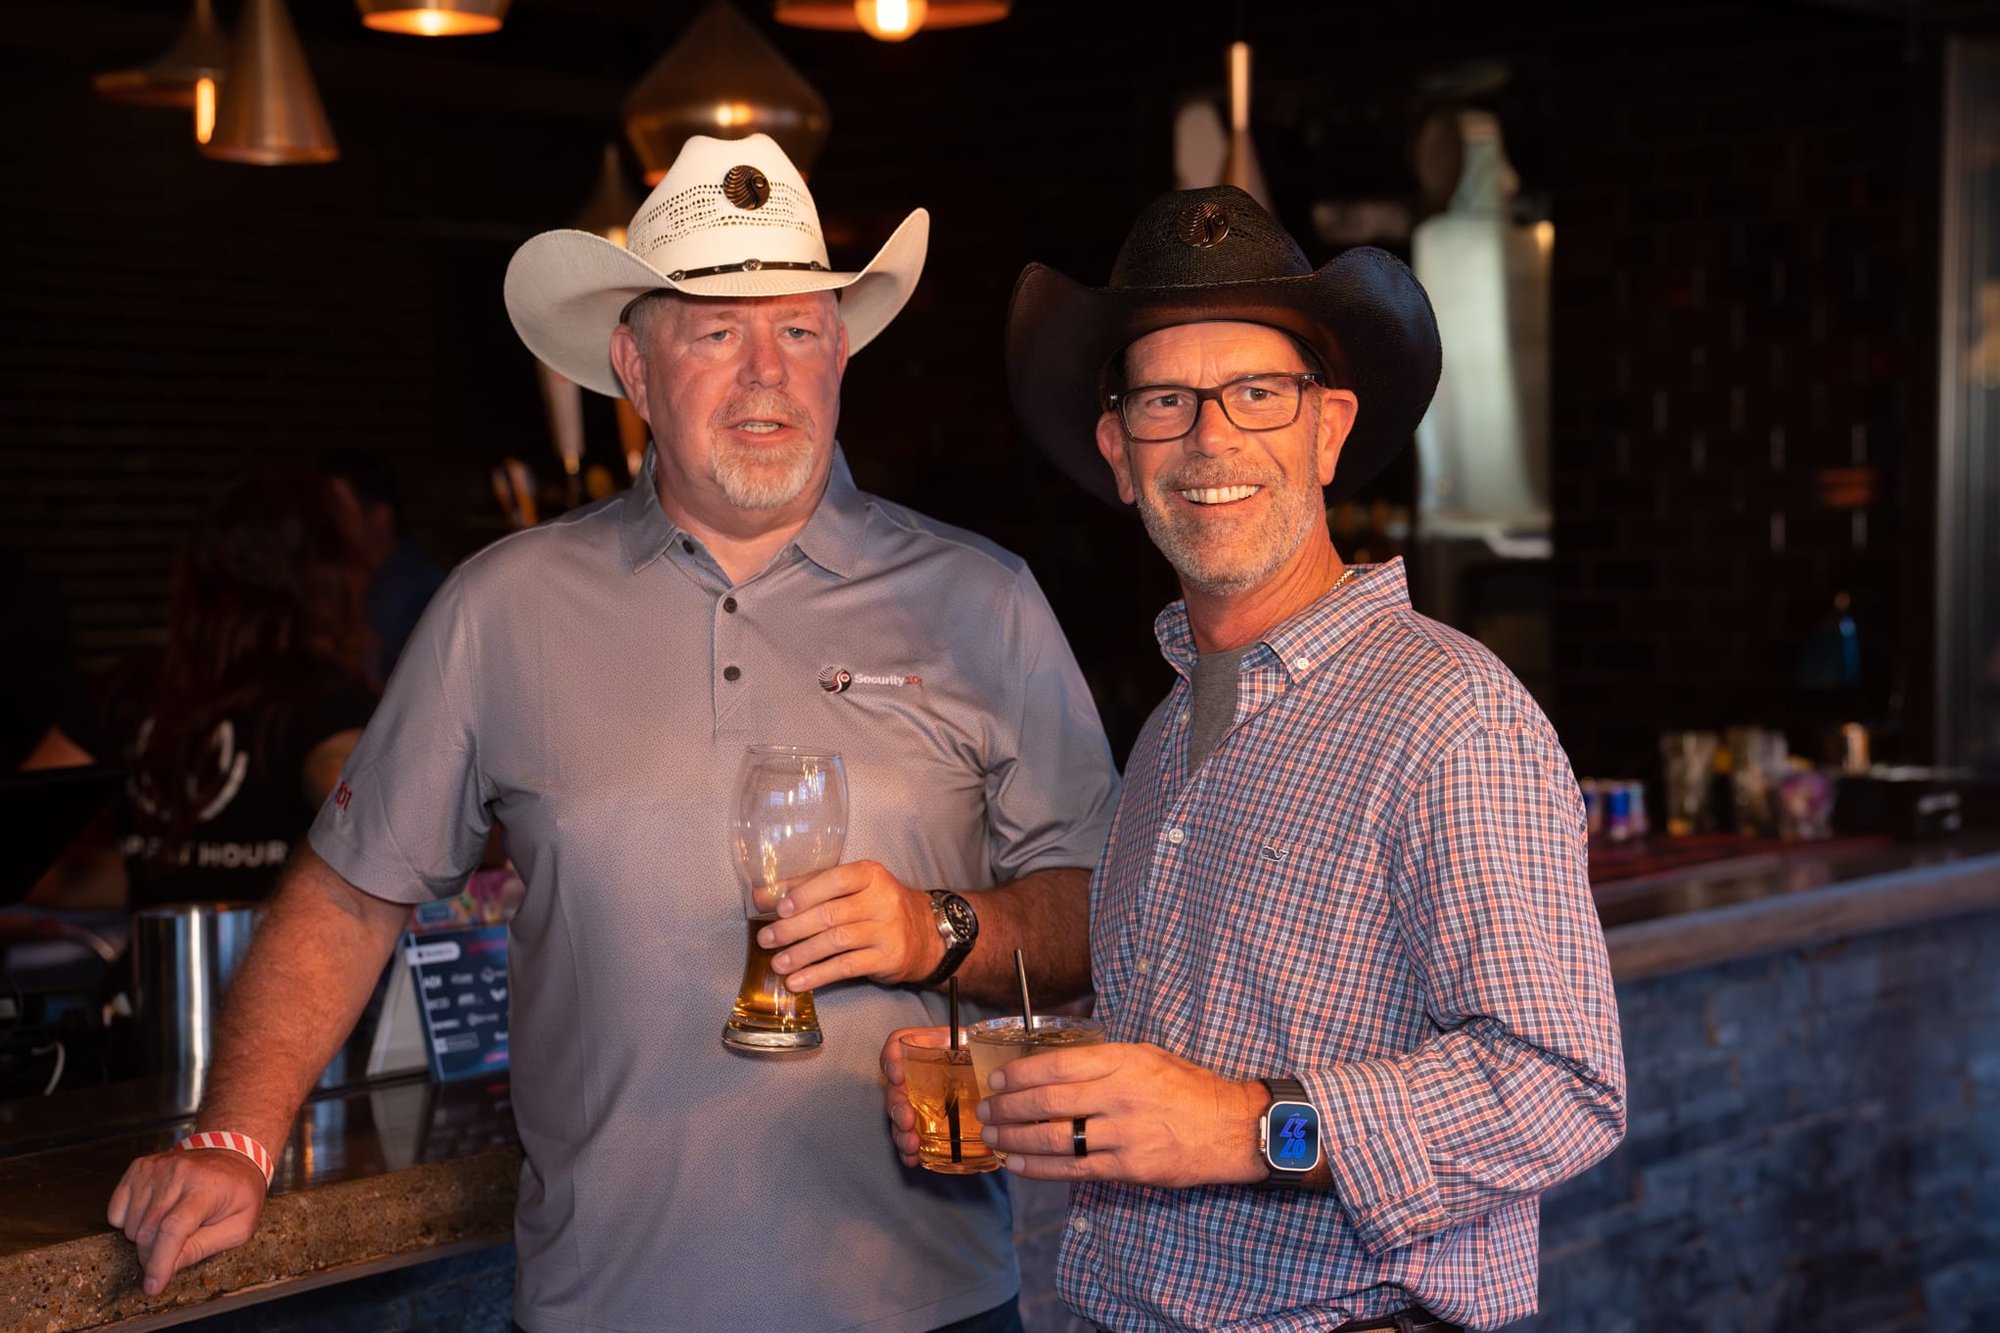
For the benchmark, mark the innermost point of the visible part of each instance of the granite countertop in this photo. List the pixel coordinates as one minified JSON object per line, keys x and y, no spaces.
{"x":1790,"y":896}
{"x":374,"y":1177}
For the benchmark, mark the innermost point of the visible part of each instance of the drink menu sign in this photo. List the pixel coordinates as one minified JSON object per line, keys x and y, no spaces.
{"x":460,"y":978}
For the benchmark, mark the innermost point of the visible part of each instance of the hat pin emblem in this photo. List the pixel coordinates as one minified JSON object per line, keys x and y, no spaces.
{"x":746,"y":187}
{"x":1203,"y":225}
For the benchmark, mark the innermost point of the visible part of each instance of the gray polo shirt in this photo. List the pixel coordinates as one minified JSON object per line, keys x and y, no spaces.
{"x":590,"y":684}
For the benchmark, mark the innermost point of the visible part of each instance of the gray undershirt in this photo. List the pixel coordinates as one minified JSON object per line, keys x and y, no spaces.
{"x":1214,"y":687}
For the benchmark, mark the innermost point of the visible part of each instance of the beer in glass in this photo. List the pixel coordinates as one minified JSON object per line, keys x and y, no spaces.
{"x":790,"y":821}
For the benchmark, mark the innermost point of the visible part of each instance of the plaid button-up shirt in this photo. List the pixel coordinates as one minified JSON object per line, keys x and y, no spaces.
{"x":1375,"y":884}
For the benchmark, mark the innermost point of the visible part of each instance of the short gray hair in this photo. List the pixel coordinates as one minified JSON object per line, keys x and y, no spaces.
{"x":643,"y":309}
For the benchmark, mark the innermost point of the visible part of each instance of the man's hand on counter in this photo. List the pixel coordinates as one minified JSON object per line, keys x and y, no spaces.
{"x":181,"y":1207}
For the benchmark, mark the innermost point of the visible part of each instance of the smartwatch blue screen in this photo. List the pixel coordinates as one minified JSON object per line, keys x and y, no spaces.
{"x":1294,"y":1143}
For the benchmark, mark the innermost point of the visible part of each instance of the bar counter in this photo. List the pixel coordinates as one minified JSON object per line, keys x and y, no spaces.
{"x":406,"y":1172}
{"x":375,"y":1178}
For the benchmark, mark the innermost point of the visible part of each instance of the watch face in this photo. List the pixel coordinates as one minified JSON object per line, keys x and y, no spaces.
{"x":959,"y":916}
{"x":1294,"y":1141}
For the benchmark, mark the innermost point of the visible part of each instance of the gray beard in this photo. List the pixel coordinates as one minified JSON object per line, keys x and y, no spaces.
{"x":761,"y":479}
{"x":1205,"y":571}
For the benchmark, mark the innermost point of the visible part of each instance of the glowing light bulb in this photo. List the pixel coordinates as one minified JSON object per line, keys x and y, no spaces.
{"x":890,"y":20}
{"x":204,"y":110}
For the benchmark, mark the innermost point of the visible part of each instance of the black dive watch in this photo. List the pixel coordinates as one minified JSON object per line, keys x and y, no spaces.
{"x":958,"y":926}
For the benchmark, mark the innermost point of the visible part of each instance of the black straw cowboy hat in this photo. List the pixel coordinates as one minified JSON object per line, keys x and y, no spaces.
{"x":1214,"y":254}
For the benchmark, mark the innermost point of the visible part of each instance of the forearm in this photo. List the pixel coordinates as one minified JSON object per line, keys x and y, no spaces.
{"x":1472,"y":1120}
{"x":1044,"y":914}
{"x":307,"y":978}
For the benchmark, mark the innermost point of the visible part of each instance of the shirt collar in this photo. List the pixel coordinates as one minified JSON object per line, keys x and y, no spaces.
{"x":831,"y":538}
{"x":1309,"y":638}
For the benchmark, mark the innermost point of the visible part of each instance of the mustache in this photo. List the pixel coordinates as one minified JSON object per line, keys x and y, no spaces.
{"x":764,"y":405}
{"x":1197,"y":475}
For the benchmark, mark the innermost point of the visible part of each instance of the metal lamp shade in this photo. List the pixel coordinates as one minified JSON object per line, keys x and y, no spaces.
{"x":723,"y":79}
{"x":269,"y":114}
{"x":888,"y":20}
{"x":200,"y":52}
{"x":434,"y":18}
{"x":611,"y":206}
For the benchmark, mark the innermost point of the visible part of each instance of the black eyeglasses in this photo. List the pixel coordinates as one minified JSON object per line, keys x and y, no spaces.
{"x":1157,"y":412}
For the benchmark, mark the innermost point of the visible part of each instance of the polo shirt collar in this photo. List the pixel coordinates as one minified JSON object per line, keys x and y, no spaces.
{"x":1309,"y":638}
{"x":831,"y":538}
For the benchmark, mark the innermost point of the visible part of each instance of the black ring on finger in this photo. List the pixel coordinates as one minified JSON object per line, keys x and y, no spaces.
{"x":1077,"y":1144}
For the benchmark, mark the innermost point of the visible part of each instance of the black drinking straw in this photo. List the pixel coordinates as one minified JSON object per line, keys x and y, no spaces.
{"x":951,"y":1081}
{"x":1027,"y":1010}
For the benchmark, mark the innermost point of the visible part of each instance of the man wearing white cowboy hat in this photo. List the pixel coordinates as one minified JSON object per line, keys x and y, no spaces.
{"x":589,"y":686}
{"x":1342,"y":936}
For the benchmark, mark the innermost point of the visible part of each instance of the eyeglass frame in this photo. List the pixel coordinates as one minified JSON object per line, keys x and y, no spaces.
{"x":1115,"y":402}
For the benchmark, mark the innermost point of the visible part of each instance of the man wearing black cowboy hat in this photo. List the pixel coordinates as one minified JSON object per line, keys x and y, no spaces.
{"x":1342,"y":937}
{"x":589,"y":687}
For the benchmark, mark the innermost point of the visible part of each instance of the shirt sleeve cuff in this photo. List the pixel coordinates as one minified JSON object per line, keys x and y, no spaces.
{"x":1381,"y":1173}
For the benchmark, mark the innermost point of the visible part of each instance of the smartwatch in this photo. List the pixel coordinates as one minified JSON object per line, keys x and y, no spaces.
{"x":1288,"y":1133}
{"x":958,"y":926}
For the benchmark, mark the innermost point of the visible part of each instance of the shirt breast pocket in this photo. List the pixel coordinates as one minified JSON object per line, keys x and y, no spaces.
{"x":1299,"y":920}
{"x":1280,"y":877}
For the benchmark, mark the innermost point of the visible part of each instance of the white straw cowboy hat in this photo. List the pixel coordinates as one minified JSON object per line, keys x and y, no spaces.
{"x":730,"y":218}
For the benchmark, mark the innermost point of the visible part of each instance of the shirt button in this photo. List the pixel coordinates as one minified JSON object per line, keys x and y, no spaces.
{"x":687,"y":546}
{"x":1145,"y":965}
{"x":1184,"y":717}
{"x":1174,"y":836}
{"x":1079,"y":1225}
{"x":1302,"y":663}
{"x":729,"y":605}
{"x":732,"y":673}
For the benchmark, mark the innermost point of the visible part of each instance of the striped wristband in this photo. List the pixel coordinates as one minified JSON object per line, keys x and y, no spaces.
{"x":230,"y":1141}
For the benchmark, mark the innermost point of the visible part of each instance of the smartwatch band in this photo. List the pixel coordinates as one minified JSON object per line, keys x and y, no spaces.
{"x":1288,"y":1093}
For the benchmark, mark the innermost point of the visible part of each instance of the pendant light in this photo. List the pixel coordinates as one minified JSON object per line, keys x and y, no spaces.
{"x":184,"y":76}
{"x":608,"y":213}
{"x":434,"y":18}
{"x":611,"y":205}
{"x":722,"y":78}
{"x":1239,"y":166}
{"x":269,"y":114}
{"x":888,"y":20}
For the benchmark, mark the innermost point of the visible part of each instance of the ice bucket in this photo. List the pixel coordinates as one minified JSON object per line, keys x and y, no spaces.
{"x":183,"y":957}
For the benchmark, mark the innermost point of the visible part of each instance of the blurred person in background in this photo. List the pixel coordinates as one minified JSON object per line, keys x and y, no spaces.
{"x":401,"y":578}
{"x":233,"y":731}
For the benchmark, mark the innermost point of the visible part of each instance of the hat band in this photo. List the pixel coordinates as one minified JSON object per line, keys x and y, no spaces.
{"x":747,"y":266}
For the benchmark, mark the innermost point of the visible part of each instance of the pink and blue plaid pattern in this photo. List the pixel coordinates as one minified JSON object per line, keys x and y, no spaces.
{"x":1377,"y":884}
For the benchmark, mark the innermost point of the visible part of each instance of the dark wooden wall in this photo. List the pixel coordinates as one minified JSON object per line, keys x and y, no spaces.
{"x":167,"y":321}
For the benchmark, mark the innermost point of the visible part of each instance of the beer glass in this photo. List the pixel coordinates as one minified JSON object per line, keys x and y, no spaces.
{"x":790,"y":820}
